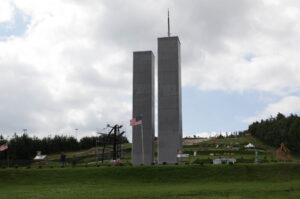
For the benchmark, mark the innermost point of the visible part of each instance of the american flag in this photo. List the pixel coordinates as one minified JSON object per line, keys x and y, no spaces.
{"x":3,"y":147}
{"x":136,"y":121}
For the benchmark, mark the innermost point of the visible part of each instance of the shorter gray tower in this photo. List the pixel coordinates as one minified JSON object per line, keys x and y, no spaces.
{"x":143,"y":105}
{"x":169,"y":100}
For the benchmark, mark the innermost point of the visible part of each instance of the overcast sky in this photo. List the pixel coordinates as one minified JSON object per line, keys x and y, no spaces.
{"x":68,"y":64}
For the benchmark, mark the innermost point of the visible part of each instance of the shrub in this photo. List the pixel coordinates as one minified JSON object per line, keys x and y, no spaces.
{"x":242,"y":160}
{"x":74,"y":162}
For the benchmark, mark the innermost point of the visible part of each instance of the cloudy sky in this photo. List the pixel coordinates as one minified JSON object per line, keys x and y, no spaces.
{"x":68,"y":64}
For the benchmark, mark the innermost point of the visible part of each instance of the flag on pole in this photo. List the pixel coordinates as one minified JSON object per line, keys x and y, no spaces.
{"x":136,"y":121}
{"x":3,"y":147}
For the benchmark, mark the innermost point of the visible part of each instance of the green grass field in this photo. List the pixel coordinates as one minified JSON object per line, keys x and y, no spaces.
{"x":268,"y":179}
{"x":208,"y":181}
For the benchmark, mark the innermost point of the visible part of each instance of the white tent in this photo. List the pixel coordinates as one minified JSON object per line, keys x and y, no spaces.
{"x":40,"y":157}
{"x":249,"y":146}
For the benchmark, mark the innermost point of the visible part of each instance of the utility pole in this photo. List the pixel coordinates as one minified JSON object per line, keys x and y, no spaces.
{"x":98,"y":145}
{"x":97,"y":140}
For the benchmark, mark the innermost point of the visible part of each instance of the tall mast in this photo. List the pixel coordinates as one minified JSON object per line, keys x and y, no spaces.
{"x":169,"y":34}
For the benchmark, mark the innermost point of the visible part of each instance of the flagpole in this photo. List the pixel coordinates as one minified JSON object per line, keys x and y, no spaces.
{"x":7,"y":156}
{"x":142,"y":142}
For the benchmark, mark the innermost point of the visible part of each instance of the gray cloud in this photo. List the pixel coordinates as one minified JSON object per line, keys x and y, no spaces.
{"x":73,"y":66}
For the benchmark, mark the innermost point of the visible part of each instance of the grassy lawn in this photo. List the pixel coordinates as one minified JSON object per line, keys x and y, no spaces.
{"x":209,"y":181}
{"x":242,"y":180}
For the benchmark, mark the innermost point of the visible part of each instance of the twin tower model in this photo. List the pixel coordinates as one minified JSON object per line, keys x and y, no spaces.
{"x":169,"y":103}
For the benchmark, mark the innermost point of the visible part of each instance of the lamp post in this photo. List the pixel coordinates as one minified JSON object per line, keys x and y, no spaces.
{"x":76,"y":133}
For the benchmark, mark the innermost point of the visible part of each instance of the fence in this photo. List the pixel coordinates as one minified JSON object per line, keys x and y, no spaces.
{"x":70,"y":160}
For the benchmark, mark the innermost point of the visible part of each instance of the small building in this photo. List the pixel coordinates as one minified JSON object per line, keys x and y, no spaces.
{"x":224,"y":161}
{"x":183,"y":158}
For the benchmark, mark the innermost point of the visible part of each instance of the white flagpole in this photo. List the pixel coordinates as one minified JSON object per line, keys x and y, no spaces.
{"x":142,"y":142}
{"x":7,"y":154}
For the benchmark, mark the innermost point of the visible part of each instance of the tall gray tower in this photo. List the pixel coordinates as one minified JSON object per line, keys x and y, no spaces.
{"x":143,"y":105}
{"x":169,"y":99}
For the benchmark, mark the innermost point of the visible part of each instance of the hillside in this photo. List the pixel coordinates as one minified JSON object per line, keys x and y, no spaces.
{"x":230,"y":148}
{"x":206,"y":151}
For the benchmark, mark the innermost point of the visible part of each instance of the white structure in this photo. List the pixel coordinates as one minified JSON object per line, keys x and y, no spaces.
{"x":39,"y":156}
{"x":249,"y":146}
{"x":224,"y":161}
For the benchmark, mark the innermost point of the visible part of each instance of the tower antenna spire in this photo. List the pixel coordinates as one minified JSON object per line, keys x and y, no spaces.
{"x":169,"y":34}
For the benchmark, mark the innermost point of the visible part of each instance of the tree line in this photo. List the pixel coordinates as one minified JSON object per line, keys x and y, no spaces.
{"x":273,"y":131}
{"x":24,"y":147}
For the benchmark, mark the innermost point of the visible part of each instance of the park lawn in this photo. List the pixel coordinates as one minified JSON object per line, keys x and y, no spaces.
{"x":209,"y":181}
{"x":130,"y":191}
